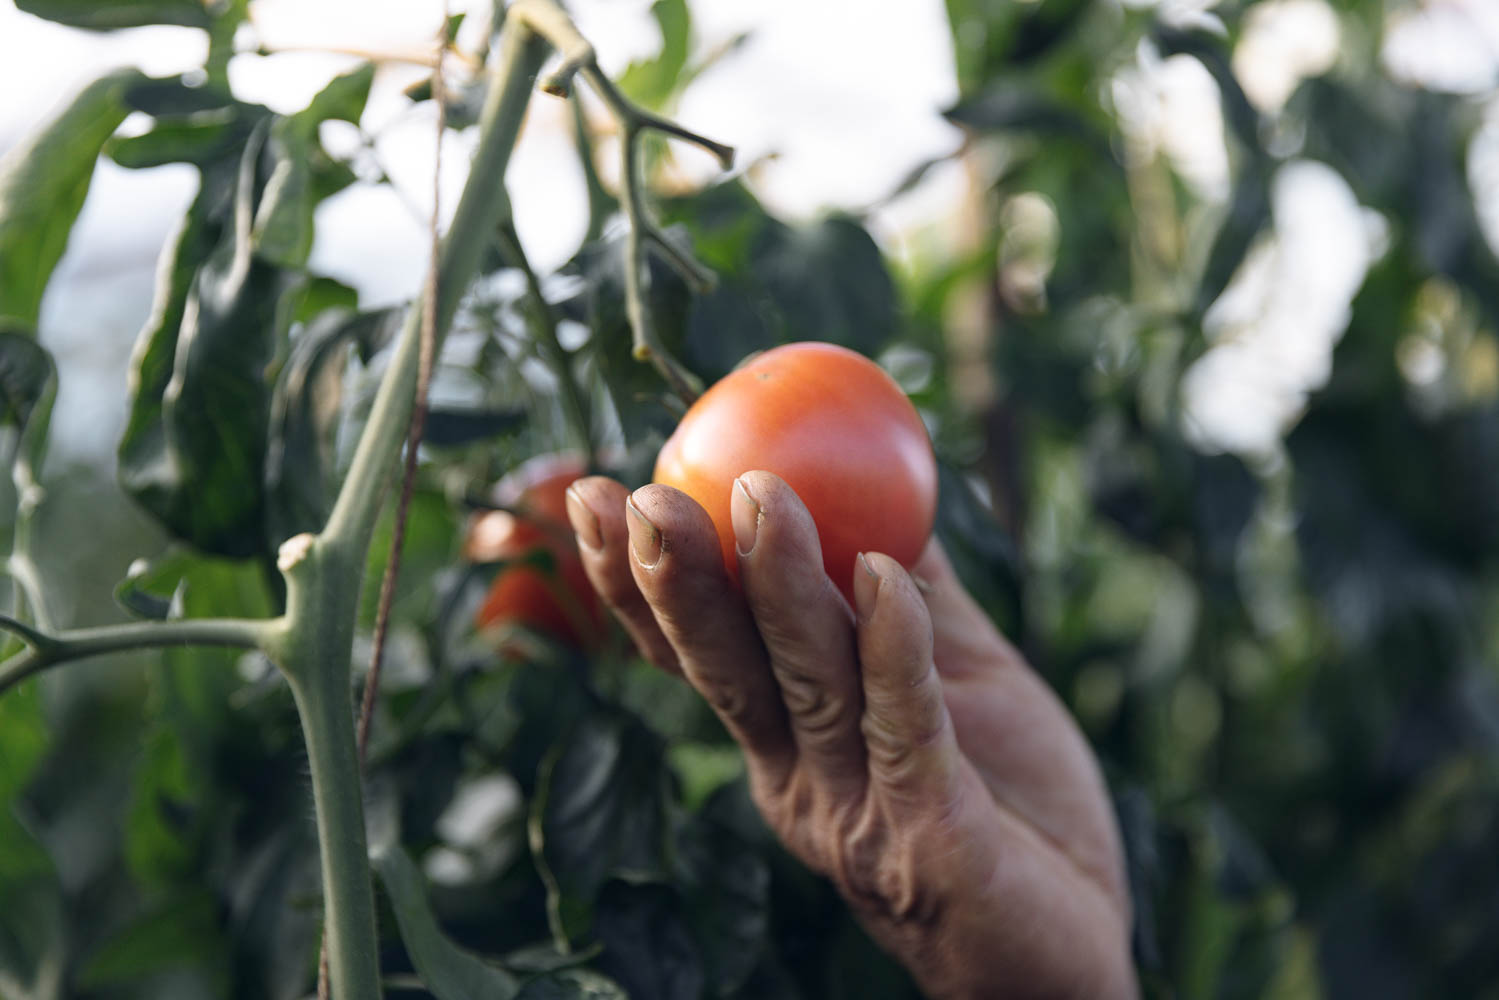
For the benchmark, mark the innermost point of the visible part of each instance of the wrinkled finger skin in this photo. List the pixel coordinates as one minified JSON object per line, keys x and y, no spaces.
{"x":900,"y":746}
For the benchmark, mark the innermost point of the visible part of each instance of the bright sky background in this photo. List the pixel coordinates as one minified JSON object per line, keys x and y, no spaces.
{"x":831,"y":106}
{"x":844,"y":102}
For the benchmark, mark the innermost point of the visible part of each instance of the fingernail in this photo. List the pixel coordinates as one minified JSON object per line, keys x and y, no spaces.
{"x":585,"y":524}
{"x":745,"y":513}
{"x":645,"y":538}
{"x":866,"y":588}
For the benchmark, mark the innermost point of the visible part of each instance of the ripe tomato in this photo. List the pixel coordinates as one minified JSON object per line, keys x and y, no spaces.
{"x":557,"y":599}
{"x":837,"y":429}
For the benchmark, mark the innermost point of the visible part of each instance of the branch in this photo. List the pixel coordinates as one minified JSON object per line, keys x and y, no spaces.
{"x":480,"y":209}
{"x":547,"y":19}
{"x":50,"y":650}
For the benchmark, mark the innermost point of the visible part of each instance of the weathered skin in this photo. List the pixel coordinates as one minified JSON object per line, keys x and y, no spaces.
{"x":902,"y":747}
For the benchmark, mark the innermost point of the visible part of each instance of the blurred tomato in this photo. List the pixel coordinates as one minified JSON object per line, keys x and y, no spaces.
{"x":543,"y":587}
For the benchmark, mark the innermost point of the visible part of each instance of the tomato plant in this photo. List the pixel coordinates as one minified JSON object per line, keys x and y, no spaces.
{"x":836,"y":428}
{"x":542,"y":585}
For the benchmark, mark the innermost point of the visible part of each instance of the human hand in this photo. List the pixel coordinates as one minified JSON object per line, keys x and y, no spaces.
{"x":902,"y":748}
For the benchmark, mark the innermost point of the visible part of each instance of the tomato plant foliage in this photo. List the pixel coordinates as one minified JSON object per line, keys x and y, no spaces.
{"x":1287,"y":664}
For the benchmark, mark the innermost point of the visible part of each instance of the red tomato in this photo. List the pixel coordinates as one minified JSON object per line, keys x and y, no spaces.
{"x":558,"y":601}
{"x":837,"y":429}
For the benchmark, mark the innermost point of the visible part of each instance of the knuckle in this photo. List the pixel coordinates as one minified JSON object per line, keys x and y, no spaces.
{"x":896,"y":749}
{"x":877,"y":868}
{"x":819,"y":713}
{"x":727,"y":699}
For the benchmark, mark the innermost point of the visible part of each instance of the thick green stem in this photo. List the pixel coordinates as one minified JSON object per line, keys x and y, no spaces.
{"x":324,"y":573}
{"x":52,"y":649}
{"x":480,"y":209}
{"x":326,"y":708}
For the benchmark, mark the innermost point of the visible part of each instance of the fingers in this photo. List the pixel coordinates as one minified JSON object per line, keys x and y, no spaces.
{"x":805,"y":624}
{"x":906,"y":729}
{"x":677,"y":564}
{"x":596,"y":508}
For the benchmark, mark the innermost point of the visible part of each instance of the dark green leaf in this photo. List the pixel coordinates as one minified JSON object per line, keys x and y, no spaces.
{"x":43,"y":182}
{"x":450,"y":428}
{"x":599,"y":812}
{"x":448,"y":971}
{"x":1248,"y":217}
{"x":1008,"y":106}
{"x":304,"y":412}
{"x":28,"y":388}
{"x":726,"y":889}
{"x":103,"y":15}
{"x":824,"y":281}
{"x":33,"y":933}
{"x":201,"y":138}
{"x":194,"y":451}
{"x":993,"y":36}
{"x":648,"y":946}
{"x":176,"y":96}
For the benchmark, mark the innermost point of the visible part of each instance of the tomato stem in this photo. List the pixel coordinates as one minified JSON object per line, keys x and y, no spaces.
{"x":579,"y":59}
{"x":50,"y":649}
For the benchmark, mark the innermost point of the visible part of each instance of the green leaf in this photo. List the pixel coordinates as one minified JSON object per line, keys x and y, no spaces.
{"x":448,"y":971}
{"x":194,"y":449}
{"x":33,"y":935}
{"x":180,"y":930}
{"x":1011,"y":106}
{"x":28,"y":388}
{"x":104,"y":15}
{"x":726,"y":888}
{"x":777,"y":283}
{"x":283,"y":219}
{"x":993,"y":36}
{"x":651,"y":82}
{"x":31,"y":921}
{"x":200,"y":138}
{"x":599,"y":812}
{"x":179,"y":796}
{"x":453,"y":428}
{"x":431,"y":542}
{"x":181,"y":95}
{"x":305,"y":409}
{"x":321,"y":293}
{"x":648,"y":945}
{"x":43,"y":183}
{"x":636,"y":389}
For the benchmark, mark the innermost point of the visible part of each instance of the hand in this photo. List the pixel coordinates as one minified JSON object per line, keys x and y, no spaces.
{"x":901,"y":748}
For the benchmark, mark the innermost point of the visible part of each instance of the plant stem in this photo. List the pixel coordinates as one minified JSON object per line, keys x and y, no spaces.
{"x":51,"y":649}
{"x":326,"y":708}
{"x":480,"y":209}
{"x":324,"y":573}
{"x":548,"y":19}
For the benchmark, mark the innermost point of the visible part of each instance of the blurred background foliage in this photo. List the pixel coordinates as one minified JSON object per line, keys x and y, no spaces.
{"x":1209,"y":359}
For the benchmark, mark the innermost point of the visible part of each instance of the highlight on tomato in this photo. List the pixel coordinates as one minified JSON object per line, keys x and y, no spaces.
{"x":542,"y":586}
{"x":841,"y":433}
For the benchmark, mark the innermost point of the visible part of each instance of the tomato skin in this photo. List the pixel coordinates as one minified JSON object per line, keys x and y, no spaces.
{"x":557,"y":600}
{"x":837,"y":429}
